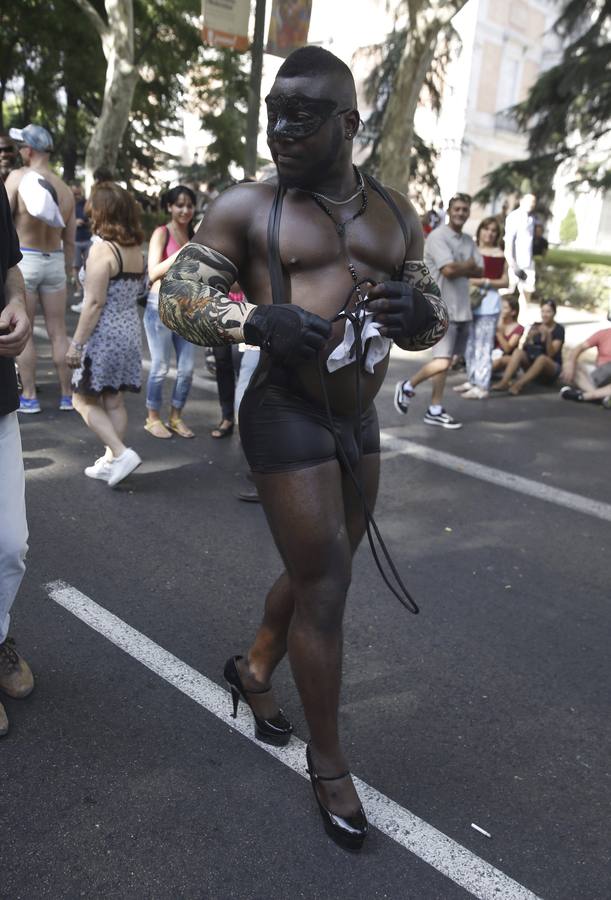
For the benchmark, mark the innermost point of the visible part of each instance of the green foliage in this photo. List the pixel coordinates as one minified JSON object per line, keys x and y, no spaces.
{"x":572,"y":280}
{"x":568,"y":227}
{"x":568,"y":109}
{"x":51,"y":56}
{"x":220,"y":84}
{"x":572,"y":258}
{"x":56,"y":72}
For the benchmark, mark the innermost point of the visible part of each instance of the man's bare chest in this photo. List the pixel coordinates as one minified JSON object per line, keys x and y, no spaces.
{"x":310,"y":241}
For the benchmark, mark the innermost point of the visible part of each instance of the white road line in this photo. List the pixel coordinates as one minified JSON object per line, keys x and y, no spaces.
{"x":496,"y":476}
{"x":451,"y":859}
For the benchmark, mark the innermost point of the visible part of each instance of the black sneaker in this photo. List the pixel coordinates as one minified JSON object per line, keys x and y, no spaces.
{"x":571,"y":393}
{"x":443,"y":419}
{"x":402,"y":397}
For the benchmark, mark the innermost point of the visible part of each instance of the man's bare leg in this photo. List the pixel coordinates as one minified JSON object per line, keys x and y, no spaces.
{"x":429,"y":370}
{"x":311,"y":599}
{"x":439,"y":383}
{"x":27,"y":359}
{"x":54,"y":309}
{"x":582,"y":380}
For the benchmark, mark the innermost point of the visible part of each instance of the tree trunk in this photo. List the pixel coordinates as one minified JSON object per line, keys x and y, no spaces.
{"x":426,"y":19}
{"x":70,"y":136}
{"x":121,"y":78}
{"x":254,"y":91}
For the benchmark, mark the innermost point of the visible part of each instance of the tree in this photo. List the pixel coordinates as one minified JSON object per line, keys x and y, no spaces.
{"x":378,"y":88}
{"x":58,"y":75}
{"x":220,"y":89}
{"x":568,"y":227}
{"x":117,"y":36}
{"x":568,"y":109}
{"x":426,"y":22}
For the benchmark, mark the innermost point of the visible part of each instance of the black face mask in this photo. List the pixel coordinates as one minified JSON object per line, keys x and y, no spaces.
{"x":297,"y":117}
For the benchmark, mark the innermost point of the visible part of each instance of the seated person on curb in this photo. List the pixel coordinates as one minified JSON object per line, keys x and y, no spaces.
{"x":508,"y":333}
{"x":586,"y":382}
{"x":541,"y":355}
{"x":305,"y":251}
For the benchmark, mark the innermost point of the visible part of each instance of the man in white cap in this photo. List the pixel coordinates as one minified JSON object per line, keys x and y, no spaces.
{"x":43,"y":211}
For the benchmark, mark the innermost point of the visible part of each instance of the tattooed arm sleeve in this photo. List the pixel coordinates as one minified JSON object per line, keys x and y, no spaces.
{"x":418,"y":276}
{"x":193,"y":299}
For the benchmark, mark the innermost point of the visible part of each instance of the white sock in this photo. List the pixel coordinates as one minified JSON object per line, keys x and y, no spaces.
{"x":435,"y":409}
{"x":408,"y":386}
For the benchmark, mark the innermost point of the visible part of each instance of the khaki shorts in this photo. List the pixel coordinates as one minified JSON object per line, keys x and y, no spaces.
{"x":43,"y":273}
{"x":454,"y":342}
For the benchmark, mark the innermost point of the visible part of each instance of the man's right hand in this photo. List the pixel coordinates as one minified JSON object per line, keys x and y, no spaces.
{"x":288,"y":333}
{"x":15,"y":329}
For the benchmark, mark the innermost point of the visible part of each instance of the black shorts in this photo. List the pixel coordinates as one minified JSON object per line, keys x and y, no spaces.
{"x":281,"y":430}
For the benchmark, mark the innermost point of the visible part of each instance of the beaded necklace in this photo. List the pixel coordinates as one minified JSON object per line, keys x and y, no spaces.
{"x":340,"y":227}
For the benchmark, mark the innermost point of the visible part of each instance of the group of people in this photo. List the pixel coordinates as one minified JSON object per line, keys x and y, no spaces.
{"x":334,"y":270}
{"x":99,"y":242}
{"x":478,"y":280}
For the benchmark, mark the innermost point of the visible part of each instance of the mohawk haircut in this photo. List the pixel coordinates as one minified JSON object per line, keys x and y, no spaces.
{"x":315,"y":61}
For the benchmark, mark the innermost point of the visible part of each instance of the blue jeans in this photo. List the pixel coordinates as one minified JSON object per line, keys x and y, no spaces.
{"x":160,"y":340}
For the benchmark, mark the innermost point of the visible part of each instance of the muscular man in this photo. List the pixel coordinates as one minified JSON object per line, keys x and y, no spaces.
{"x":303,"y":251}
{"x":43,"y":210}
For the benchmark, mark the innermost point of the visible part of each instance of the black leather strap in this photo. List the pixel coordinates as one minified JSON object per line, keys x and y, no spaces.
{"x":377,"y":187}
{"x":276,"y":274}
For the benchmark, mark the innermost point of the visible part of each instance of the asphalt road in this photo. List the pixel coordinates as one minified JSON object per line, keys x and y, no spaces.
{"x":491,"y":707}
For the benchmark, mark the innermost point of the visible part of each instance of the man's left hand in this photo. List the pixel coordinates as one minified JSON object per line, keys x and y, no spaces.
{"x":401,"y":310}
{"x":15,"y":329}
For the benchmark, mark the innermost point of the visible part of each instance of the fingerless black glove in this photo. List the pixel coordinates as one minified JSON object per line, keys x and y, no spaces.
{"x":288,"y":333}
{"x":402,"y":310}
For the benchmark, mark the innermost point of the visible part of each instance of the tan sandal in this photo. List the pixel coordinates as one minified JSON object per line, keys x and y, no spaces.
{"x":178,"y":427}
{"x":157,"y":428}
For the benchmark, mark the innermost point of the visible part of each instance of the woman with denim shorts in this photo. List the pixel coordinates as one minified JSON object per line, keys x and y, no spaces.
{"x":166,"y":242}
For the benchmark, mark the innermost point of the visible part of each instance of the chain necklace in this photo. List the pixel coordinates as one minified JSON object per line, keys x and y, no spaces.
{"x":359,"y":190}
{"x":340,"y":227}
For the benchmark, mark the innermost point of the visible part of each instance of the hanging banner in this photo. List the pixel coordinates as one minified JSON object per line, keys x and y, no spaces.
{"x":225,"y":23}
{"x":289,"y":26}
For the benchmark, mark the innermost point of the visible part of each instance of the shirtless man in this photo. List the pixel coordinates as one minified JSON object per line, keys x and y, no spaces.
{"x":48,"y":254}
{"x":334,"y":232}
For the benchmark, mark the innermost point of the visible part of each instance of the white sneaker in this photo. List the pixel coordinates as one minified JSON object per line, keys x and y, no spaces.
{"x":100,"y":469}
{"x":476,"y":393}
{"x":443,"y":419}
{"x":463,"y":388}
{"x":123,"y":466}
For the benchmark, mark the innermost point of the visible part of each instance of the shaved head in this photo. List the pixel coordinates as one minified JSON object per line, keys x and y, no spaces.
{"x":330,"y":76}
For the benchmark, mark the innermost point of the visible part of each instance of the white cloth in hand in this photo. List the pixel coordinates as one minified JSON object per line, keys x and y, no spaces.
{"x":377,"y":350}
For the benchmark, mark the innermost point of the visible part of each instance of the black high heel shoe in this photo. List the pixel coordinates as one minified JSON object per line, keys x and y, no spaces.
{"x":347,"y":831}
{"x":275,"y":731}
